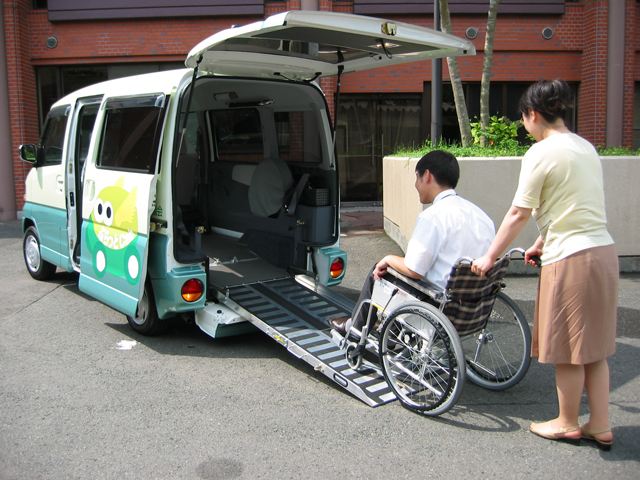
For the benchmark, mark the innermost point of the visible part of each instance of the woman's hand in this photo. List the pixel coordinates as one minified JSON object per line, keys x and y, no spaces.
{"x":533,"y":251}
{"x":480,"y":266}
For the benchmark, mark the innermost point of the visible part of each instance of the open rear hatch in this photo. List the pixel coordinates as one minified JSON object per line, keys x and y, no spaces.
{"x":304,"y":45}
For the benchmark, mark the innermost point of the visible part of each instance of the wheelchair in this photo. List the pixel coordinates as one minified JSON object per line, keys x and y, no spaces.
{"x":428,"y":341}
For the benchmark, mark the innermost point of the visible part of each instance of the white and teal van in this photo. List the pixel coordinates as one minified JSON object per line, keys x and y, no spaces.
{"x":176,"y":193}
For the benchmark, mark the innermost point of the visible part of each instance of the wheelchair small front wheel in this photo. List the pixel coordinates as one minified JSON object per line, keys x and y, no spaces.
{"x":354,"y":360}
{"x":420,"y":354}
{"x":499,"y":355}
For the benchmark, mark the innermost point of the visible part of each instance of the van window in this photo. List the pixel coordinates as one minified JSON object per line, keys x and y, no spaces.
{"x":238,"y":134}
{"x":85,"y":128}
{"x":53,"y":138}
{"x":298,"y":136}
{"x":131,"y":134}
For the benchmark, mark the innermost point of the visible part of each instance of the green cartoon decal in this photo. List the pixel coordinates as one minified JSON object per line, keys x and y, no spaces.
{"x":112,"y":235}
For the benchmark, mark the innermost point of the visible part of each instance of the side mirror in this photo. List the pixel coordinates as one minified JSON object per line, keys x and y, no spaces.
{"x":29,"y":153}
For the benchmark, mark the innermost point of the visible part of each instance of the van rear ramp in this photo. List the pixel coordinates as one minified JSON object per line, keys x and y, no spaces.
{"x":295,"y":312}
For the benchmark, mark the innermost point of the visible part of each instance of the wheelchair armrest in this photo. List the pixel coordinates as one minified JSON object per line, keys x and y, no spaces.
{"x":425,"y":287}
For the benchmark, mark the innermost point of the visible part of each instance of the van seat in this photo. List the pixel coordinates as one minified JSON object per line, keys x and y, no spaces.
{"x":270,"y":182}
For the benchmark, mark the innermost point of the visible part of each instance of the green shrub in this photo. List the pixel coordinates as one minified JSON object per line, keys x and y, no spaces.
{"x":503,"y":149}
{"x":616,"y":151}
{"x":510,"y":150}
{"x":500,"y":133}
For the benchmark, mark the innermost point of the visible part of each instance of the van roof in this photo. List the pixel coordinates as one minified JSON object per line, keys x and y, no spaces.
{"x":156,"y":82}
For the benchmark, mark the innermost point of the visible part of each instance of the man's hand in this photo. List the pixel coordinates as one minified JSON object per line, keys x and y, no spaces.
{"x":381,"y":269}
{"x":395,"y":262}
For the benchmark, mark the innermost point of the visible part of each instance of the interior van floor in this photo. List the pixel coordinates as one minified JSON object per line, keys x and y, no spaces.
{"x":232,"y":263}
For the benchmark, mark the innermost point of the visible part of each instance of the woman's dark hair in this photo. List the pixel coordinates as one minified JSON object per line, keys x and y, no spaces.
{"x":549,"y":98}
{"x":442,"y":165}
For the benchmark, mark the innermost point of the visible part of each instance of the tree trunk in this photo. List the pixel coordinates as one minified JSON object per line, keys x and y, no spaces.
{"x":456,"y":82}
{"x":486,"y":67}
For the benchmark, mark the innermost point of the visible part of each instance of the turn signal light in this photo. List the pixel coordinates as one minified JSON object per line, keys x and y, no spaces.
{"x":337,"y":268}
{"x":192,"y":290}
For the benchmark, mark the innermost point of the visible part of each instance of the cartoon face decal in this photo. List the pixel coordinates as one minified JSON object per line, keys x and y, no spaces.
{"x":114,"y":216}
{"x":112,"y":235}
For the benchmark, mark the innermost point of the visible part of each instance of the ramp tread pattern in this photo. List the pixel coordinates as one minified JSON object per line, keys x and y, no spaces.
{"x":301,"y":316}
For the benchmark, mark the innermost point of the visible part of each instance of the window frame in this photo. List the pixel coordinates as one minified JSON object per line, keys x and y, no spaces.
{"x":115,"y":105}
{"x":54,"y":115}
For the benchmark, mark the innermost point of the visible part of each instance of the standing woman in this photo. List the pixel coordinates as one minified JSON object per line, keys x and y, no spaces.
{"x":574,"y":328}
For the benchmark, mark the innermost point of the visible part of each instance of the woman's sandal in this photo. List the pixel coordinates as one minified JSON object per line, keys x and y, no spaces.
{"x":591,"y":435}
{"x":559,"y":435}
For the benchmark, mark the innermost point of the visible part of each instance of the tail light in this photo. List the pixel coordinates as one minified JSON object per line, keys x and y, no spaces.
{"x":337,"y":268}
{"x":192,"y":290}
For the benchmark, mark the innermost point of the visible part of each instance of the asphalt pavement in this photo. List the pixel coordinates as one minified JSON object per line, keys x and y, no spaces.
{"x":82,"y":396}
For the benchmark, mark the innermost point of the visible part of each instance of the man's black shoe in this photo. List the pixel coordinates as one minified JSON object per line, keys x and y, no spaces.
{"x":339,"y":324}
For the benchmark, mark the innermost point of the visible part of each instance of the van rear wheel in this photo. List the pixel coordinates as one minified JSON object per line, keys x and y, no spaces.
{"x":38,"y":268}
{"x":147,"y":322}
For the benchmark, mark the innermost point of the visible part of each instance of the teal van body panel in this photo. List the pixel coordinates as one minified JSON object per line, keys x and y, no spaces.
{"x":51,"y":225}
{"x":109,"y":295}
{"x":325,"y":259}
{"x":168,"y":291}
{"x":157,"y":264}
{"x":114,"y":260}
{"x":167,"y":286}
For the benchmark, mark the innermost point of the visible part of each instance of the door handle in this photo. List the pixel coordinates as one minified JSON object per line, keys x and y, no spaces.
{"x":89,"y":189}
{"x":59,"y":184}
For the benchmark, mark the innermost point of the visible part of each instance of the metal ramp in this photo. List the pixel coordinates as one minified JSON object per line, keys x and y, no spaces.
{"x":295,"y":312}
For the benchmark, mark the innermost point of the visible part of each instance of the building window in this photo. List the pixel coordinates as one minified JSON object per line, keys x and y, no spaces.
{"x":636,"y":116}
{"x":504,"y":100}
{"x":368,"y":127}
{"x":39,"y":4}
{"x":81,"y":10}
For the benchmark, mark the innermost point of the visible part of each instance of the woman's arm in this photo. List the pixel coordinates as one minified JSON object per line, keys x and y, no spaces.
{"x":512,"y":224}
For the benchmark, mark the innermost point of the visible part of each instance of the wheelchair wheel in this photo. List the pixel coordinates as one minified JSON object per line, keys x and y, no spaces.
{"x":419,"y":354}
{"x":499,"y":355}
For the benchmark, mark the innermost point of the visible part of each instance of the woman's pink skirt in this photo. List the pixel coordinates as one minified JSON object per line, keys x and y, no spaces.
{"x":576,"y":308}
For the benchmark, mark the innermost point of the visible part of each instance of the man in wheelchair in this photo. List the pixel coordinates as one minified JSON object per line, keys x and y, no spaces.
{"x":449,"y":229}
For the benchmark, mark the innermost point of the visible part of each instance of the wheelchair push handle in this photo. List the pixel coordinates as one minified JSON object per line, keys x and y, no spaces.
{"x":469,"y":260}
{"x":534,"y":258}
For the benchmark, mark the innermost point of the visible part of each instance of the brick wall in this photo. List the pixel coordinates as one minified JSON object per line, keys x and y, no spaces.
{"x":576,"y":52}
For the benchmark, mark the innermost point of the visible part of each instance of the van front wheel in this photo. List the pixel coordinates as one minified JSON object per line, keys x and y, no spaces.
{"x":38,"y":268}
{"x":147,"y":322}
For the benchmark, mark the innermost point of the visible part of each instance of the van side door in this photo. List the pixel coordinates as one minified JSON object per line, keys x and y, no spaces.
{"x":118,"y":199}
{"x":81,"y":130}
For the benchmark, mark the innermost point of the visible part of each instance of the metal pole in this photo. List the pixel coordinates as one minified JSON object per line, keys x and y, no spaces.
{"x":436,"y":84}
{"x":7,"y":189}
{"x":615,"y":73}
{"x":309,"y":5}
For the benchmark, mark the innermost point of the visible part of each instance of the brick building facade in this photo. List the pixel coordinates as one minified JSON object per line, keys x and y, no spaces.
{"x":42,"y":49}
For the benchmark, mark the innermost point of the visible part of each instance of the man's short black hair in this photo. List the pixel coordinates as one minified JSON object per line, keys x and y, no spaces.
{"x":442,"y":165}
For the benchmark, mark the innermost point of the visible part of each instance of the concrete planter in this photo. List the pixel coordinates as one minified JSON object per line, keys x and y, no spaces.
{"x":491,"y":183}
